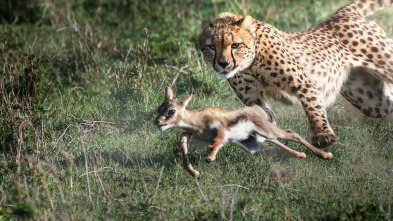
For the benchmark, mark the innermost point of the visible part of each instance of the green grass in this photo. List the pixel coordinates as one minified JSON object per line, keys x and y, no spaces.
{"x":80,"y":85}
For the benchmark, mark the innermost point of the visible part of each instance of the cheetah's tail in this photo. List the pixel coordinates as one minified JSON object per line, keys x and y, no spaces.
{"x":364,"y":7}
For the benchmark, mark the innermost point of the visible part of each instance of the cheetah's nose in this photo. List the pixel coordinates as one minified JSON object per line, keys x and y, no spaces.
{"x":223,"y":64}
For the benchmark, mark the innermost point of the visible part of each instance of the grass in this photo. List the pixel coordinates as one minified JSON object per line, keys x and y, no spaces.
{"x":79,"y":88}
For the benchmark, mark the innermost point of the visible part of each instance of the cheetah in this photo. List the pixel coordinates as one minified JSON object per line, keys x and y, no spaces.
{"x":345,"y":54}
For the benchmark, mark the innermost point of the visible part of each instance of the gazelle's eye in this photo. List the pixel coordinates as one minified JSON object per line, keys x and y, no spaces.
{"x":213,"y":47}
{"x":235,"y":45}
{"x":171,"y":113}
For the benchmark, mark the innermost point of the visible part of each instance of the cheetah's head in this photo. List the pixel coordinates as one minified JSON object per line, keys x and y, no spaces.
{"x":228,"y":43}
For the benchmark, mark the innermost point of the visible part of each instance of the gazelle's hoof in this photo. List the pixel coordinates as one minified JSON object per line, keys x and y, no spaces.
{"x":328,"y":156}
{"x":208,"y":160}
{"x":302,"y":155}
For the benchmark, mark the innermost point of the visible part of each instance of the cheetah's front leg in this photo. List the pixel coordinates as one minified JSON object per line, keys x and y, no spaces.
{"x":316,"y":113}
{"x":290,"y":77}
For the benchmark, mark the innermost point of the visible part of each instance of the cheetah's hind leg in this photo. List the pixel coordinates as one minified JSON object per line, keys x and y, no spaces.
{"x":371,"y":95}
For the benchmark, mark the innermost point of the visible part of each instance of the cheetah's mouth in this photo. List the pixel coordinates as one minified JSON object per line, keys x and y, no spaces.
{"x":229,"y":74}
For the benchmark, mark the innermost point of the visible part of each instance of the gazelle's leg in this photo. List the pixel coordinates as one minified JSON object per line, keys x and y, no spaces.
{"x":288,"y":134}
{"x":294,"y":152}
{"x":217,"y":144}
{"x":186,"y":162}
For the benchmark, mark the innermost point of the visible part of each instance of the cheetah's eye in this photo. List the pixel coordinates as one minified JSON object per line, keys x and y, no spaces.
{"x":171,"y":113}
{"x":213,"y":47}
{"x":235,"y":45}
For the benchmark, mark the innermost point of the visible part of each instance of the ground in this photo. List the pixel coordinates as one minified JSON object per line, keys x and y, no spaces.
{"x":80,"y":85}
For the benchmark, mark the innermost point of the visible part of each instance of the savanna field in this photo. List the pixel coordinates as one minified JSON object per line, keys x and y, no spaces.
{"x":80,"y":84}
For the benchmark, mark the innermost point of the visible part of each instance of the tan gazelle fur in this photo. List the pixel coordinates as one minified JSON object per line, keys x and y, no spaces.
{"x":246,"y":127}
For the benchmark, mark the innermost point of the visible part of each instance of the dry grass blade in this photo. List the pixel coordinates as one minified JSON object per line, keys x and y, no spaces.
{"x":73,"y":26}
{"x":158,"y":183}
{"x":81,"y":137}
{"x":200,"y":190}
{"x":97,"y":174}
{"x":162,"y":83}
{"x":179,"y":70}
{"x":233,"y":204}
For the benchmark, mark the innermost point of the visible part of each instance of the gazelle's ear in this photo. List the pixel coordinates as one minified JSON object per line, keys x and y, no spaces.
{"x":168,"y":94}
{"x":186,"y":99}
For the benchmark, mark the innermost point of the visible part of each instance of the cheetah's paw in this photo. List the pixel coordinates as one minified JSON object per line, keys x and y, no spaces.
{"x":324,"y":139}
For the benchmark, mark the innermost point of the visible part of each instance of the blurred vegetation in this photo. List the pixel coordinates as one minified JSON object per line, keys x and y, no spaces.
{"x":80,"y":83}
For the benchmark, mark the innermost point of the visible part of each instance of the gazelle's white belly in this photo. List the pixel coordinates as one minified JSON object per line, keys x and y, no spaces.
{"x":240,"y":131}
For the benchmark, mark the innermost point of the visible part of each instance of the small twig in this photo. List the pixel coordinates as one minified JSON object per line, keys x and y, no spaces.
{"x":3,"y":195}
{"x":74,"y":27}
{"x":98,"y":176}
{"x":95,"y":171}
{"x":227,"y":185}
{"x":19,"y":148}
{"x":178,"y":72}
{"x":39,"y":22}
{"x":145,"y":48}
{"x":389,"y":209}
{"x":158,"y":183}
{"x":176,"y":68}
{"x":236,"y":185}
{"x":162,"y":83}
{"x":26,"y":189}
{"x":200,"y":190}
{"x":233,"y":204}
{"x":53,"y":170}
{"x":32,"y":45}
{"x":222,"y":205}
{"x":128,"y":52}
{"x":62,"y":135}
{"x":86,"y":161}
{"x":38,"y":167}
{"x":143,"y":180}
{"x":156,"y":207}
{"x":99,"y":121}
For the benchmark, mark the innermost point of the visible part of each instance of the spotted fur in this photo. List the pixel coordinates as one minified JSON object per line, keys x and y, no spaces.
{"x":345,"y":54}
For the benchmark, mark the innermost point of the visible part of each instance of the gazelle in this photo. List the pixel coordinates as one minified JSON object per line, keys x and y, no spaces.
{"x":247,"y":127}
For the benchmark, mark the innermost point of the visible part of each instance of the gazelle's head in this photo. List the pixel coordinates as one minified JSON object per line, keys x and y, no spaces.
{"x":170,"y":112}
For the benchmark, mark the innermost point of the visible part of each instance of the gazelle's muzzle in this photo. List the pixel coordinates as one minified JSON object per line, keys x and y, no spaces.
{"x":159,"y":124}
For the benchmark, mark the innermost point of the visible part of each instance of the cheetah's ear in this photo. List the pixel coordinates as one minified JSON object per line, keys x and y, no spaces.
{"x":206,"y":24}
{"x":168,"y":94}
{"x":246,"y":23}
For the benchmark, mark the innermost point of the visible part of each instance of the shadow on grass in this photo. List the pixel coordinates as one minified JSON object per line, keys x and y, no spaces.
{"x":129,"y":160}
